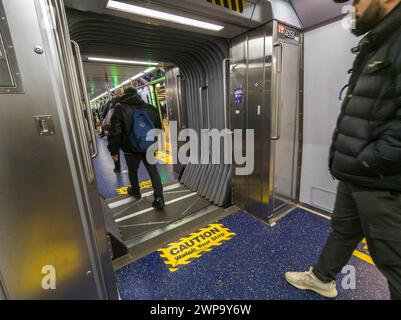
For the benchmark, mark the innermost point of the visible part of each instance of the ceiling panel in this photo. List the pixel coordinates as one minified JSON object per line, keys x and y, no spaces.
{"x":314,"y":12}
{"x":234,"y":23}
{"x":116,"y":74}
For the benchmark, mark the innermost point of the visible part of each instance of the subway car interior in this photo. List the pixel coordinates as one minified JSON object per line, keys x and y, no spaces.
{"x":266,"y":71}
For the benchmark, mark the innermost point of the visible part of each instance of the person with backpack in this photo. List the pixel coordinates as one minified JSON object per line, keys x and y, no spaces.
{"x":131,"y":121}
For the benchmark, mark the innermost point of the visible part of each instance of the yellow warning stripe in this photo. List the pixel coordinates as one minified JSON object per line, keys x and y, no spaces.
{"x":235,"y":5}
{"x":164,"y":157}
{"x":147,"y":184}
{"x":364,"y":257}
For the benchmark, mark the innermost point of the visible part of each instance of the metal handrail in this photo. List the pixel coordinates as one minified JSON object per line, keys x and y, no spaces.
{"x":88,"y":110}
{"x":279,"y":93}
{"x":178,"y":90}
{"x":201,"y":88}
{"x":225,"y":90}
{"x":73,"y":81}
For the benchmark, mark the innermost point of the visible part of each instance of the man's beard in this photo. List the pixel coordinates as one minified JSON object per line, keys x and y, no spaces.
{"x":370,"y":19}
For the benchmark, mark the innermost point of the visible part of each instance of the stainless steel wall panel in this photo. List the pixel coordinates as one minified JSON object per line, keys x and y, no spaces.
{"x":267,"y":118}
{"x":238,"y":110}
{"x":265,"y":97}
{"x":285,"y":148}
{"x":256,"y":60}
{"x":46,"y":217}
{"x":284,"y":154}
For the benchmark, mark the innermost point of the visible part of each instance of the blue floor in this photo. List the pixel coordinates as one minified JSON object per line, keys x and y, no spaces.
{"x":249,"y":266}
{"x":108,"y":181}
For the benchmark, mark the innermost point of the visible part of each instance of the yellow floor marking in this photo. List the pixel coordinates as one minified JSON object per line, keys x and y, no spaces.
{"x":168,"y":147}
{"x":123,"y":191}
{"x":362,"y":255}
{"x":164,"y":157}
{"x":194,"y":246}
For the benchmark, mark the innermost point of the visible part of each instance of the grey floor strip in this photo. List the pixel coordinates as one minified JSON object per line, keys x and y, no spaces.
{"x":151,"y":208}
{"x":122,"y":202}
{"x":144,"y":224}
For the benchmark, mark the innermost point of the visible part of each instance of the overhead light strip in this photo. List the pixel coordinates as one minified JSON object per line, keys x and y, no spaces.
{"x":142,"y":63}
{"x":141,"y":11}
{"x":126,"y":82}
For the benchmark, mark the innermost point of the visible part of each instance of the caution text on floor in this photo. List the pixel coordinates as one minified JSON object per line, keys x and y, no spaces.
{"x":195,"y":245}
{"x":143,"y":185}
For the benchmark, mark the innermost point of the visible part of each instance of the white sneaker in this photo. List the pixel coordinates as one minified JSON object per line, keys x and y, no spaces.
{"x":308,"y":281}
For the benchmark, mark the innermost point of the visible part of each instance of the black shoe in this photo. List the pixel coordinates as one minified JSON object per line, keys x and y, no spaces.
{"x":158,"y":204}
{"x":136,"y":196}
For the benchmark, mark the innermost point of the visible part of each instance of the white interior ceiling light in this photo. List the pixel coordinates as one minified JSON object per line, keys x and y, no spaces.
{"x":141,"y":63}
{"x":148,"y":70}
{"x":120,"y":6}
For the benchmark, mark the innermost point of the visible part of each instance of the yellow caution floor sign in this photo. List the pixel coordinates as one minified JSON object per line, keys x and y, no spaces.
{"x":194,"y":246}
{"x":123,"y":191}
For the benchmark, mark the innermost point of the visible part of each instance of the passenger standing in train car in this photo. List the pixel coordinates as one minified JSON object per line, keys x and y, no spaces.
{"x":103,"y":112}
{"x":120,"y":130}
{"x":108,"y":113}
{"x":366,"y":156}
{"x":95,"y":113}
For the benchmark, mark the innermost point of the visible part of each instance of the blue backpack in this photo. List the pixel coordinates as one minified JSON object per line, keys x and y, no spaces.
{"x":141,"y":125}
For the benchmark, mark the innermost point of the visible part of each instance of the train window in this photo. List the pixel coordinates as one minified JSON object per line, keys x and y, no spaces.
{"x":10,"y":77}
{"x":6,"y":78}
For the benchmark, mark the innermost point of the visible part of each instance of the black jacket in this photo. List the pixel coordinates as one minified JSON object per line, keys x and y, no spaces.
{"x":366,"y":149}
{"x":121,"y":122}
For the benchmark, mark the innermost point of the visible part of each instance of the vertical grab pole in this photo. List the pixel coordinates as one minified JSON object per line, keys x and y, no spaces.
{"x":200,"y":91}
{"x":279,"y":94}
{"x":178,"y":78}
{"x":89,"y":114}
{"x":72,"y":80}
{"x":225,"y":90}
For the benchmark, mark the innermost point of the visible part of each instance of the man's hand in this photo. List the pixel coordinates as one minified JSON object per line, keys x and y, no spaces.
{"x":114,"y":157}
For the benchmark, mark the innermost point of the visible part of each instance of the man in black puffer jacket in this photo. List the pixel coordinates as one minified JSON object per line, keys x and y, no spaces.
{"x":366,"y":155}
{"x":121,"y":127}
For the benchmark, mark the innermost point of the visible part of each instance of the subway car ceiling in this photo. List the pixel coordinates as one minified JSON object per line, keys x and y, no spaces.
{"x":117,"y":73}
{"x":304,"y":14}
{"x":124,"y":38}
{"x":110,"y":33}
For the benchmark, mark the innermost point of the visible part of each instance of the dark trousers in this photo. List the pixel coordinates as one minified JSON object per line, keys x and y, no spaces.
{"x":133,"y":162}
{"x":117,"y":164}
{"x":364,"y":213}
